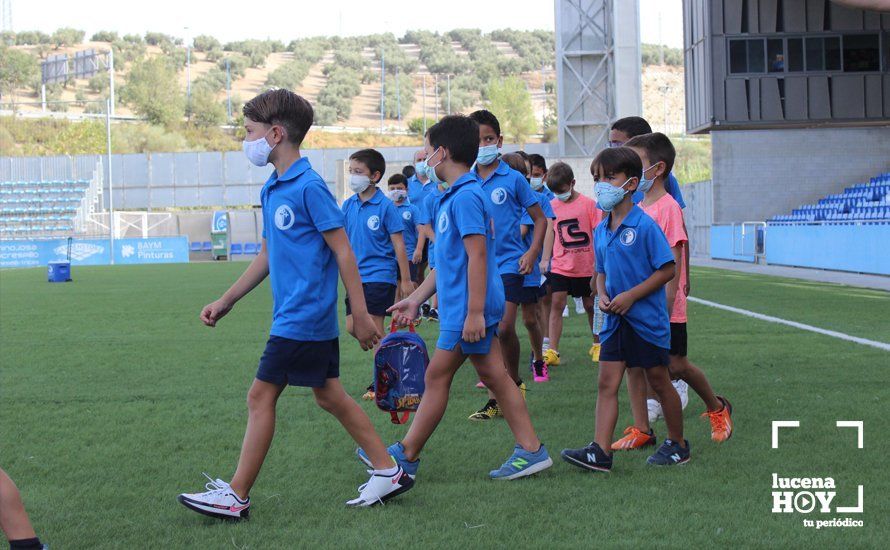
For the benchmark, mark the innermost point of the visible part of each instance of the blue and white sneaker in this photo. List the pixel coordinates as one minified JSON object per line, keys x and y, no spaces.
{"x":397,"y":452}
{"x":669,"y":454}
{"x":591,"y":457}
{"x":523,"y":463}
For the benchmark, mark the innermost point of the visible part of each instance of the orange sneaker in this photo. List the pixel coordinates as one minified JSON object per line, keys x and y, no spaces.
{"x":721,"y":421}
{"x":634,"y":439}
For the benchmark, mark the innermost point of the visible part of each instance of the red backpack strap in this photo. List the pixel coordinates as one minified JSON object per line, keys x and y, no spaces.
{"x":394,"y":416}
{"x":393,"y":327}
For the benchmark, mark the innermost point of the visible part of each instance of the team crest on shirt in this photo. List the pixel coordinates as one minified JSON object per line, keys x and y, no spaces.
{"x":499,"y":195}
{"x":628,"y":236}
{"x":443,"y":222}
{"x":406,"y":215}
{"x":374,"y":223}
{"x":284,"y":217}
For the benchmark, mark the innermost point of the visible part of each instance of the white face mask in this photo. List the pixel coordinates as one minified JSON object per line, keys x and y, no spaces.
{"x":397,"y":195}
{"x":358,"y":182}
{"x":258,"y":150}
{"x":537,"y":183}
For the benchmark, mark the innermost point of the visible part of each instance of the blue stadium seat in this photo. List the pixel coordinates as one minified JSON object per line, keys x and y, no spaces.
{"x":206,"y":246}
{"x":236,"y":249}
{"x":250,"y":248}
{"x":195,"y":246}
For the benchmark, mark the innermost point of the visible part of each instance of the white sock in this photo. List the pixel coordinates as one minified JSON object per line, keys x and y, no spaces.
{"x":546,"y":340}
{"x":388,"y":472}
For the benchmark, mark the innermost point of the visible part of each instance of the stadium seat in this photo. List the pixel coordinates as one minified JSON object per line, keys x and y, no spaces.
{"x":236,"y":249}
{"x":250,"y":248}
{"x":195,"y":246}
{"x":207,"y":246}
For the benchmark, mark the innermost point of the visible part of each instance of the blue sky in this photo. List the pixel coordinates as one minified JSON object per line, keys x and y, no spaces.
{"x":234,"y":20}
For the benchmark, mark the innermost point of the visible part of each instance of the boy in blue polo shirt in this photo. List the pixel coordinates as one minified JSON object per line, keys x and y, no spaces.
{"x":397,"y":192}
{"x":304,"y":246}
{"x":471,"y":306}
{"x":633,"y":263}
{"x":509,"y":196}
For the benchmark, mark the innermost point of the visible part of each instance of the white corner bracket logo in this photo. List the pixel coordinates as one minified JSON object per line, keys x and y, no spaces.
{"x":806,"y":495}
{"x":628,"y":237}
{"x":284,"y":217}
{"x":374,"y":223}
{"x":499,"y":195}
{"x":443,"y":222}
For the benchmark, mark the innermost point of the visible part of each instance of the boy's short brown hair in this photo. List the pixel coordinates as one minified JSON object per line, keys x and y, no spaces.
{"x":516,"y":162}
{"x":560,"y":174}
{"x":658,"y":148}
{"x":284,"y":108}
{"x":372,"y":159}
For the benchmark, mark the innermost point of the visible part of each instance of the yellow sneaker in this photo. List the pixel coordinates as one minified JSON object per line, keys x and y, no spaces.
{"x":522,"y":389}
{"x":489,"y":411}
{"x":551,"y":357}
{"x":594,"y":352}
{"x":369,"y":394}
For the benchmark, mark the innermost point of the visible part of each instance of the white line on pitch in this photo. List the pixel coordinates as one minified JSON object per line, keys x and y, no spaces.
{"x":864,"y":341}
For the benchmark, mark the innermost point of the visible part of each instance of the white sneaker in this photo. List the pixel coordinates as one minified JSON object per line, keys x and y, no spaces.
{"x":655,"y":411}
{"x":683,"y":391}
{"x":220,"y":501}
{"x":381,"y":488}
{"x":545,"y":346}
{"x":565,"y":312}
{"x":579,"y":306}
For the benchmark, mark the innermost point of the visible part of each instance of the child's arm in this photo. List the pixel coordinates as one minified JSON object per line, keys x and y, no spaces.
{"x":599,"y":281}
{"x":252,"y":276}
{"x":405,"y":311}
{"x":548,"y":248}
{"x":685,"y":265}
{"x":406,"y":287}
{"x":474,"y":325}
{"x":418,"y":248}
{"x":527,"y":261}
{"x":673,"y":285}
{"x":622,"y":303}
{"x":365,"y":330}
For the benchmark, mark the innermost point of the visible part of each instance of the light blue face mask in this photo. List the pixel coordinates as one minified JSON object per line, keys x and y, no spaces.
{"x":537,"y":183}
{"x":563,"y":196}
{"x":431,"y":172}
{"x":645,"y":183}
{"x":607,"y":195}
{"x":420,"y":168}
{"x":487,"y":155}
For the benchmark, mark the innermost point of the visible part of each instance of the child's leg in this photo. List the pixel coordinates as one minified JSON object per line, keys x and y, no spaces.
{"x":509,"y":340}
{"x":13,"y":519}
{"x":637,"y":388}
{"x":544,"y":313}
{"x":261,"y":400}
{"x":438,"y":379}
{"x":610,"y":374}
{"x":683,"y":369}
{"x":556,"y":307}
{"x":531,"y":317}
{"x":660,"y":380}
{"x":588,"y":307}
{"x":491,"y":371}
{"x":333,"y":398}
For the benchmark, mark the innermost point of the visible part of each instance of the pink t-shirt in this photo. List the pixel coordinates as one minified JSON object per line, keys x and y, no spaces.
{"x":669,"y":217}
{"x":573,"y":241}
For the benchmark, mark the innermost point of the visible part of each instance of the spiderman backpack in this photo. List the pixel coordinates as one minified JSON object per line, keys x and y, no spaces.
{"x":399,"y":367}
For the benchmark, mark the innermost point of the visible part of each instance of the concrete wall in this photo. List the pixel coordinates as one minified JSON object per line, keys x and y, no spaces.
{"x":761,"y":173}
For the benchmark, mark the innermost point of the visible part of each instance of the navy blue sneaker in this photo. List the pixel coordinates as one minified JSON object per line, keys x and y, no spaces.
{"x":523,"y":463}
{"x":669,"y":454}
{"x":397,"y":452}
{"x":591,"y":457}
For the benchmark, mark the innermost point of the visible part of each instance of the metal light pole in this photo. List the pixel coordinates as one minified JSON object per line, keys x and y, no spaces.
{"x":449,"y":93}
{"x":436,"y":93}
{"x":111,"y":225}
{"x":228,"y":92}
{"x":398,"y":98}
{"x":423,"y":116}
{"x":188,"y":74}
{"x":111,"y":79}
{"x":382,"y":87}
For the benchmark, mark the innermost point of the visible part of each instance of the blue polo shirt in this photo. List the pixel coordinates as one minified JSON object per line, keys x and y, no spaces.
{"x":369,"y":225}
{"x":297,"y":209}
{"x":628,"y":257}
{"x":672,"y":186}
{"x":508,"y":195}
{"x":429,"y":205}
{"x":410,"y":215}
{"x":463,"y":211}
{"x":417,"y":190}
{"x":545,"y":195}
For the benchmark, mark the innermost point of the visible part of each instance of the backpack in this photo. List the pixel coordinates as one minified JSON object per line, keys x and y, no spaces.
{"x":399,"y":367}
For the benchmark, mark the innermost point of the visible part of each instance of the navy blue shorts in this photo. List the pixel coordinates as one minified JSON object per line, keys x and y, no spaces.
{"x":626,"y":345}
{"x":412,"y":269}
{"x":515,"y":290}
{"x":378,"y":297}
{"x":299,"y":363}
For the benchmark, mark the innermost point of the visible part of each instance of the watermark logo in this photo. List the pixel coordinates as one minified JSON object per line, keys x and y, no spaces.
{"x":80,"y":251}
{"x":814,"y":495}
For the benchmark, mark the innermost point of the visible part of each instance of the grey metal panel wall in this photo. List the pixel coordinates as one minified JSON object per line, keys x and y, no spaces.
{"x":761,"y":173}
{"x":699,"y":216}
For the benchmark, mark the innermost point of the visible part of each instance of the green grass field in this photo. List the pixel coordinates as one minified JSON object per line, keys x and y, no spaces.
{"x":114,"y":398}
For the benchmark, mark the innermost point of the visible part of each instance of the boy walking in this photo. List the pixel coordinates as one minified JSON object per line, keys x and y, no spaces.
{"x":472,"y":304}
{"x":397,"y":192}
{"x":304,"y":247}
{"x":633,"y":263}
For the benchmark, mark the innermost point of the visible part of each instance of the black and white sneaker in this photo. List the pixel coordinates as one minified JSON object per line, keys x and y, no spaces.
{"x":381,"y":488}
{"x":219,"y":501}
{"x":433,"y":315}
{"x":591,"y":457}
{"x":669,"y":454}
{"x":425,"y":311}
